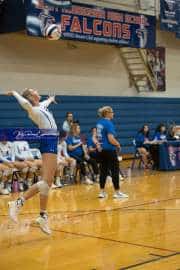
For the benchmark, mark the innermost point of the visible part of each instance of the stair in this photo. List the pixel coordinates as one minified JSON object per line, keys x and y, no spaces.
{"x":140,"y":74}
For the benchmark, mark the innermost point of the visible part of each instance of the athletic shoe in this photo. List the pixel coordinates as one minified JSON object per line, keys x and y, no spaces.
{"x":13,"y":210}
{"x":43,"y":224}
{"x":97,"y":178}
{"x":120,"y":195}
{"x":4,"y":191}
{"x":121,"y":177}
{"x":88,"y":181}
{"x":102,"y":195}
{"x":58,"y":183}
{"x":9,"y":187}
{"x":21,"y":186}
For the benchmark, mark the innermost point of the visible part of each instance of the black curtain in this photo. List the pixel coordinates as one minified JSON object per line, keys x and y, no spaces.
{"x":12,"y":15}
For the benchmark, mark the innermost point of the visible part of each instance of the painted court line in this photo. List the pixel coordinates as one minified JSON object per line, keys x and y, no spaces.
{"x":116,"y":241}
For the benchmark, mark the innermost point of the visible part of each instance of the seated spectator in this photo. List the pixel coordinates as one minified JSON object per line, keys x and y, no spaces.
{"x":23,"y":153}
{"x":160,"y":133}
{"x":7,"y":157}
{"x":64,"y":160}
{"x":172,"y":134}
{"x":142,"y":140}
{"x":68,"y":122}
{"x":78,"y":150}
{"x":4,"y":173}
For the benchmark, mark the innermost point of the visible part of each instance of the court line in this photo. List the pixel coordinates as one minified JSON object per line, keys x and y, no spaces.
{"x":95,"y":211}
{"x":156,"y":255}
{"x":150,"y":261}
{"x":116,"y":241}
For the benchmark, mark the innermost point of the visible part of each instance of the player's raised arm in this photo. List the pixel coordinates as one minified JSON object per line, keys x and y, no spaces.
{"x":22,"y":101}
{"x":48,"y":101}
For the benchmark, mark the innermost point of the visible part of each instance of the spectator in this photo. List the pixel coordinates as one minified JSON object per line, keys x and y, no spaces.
{"x":142,"y":140}
{"x":64,"y":160}
{"x":78,"y":150}
{"x":23,"y":153}
{"x":7,"y":158}
{"x":172,"y":134}
{"x":160,"y":133}
{"x":68,"y":122}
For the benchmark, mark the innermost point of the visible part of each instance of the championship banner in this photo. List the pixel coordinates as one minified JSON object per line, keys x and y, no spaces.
{"x":156,"y":61}
{"x":168,"y":20}
{"x":92,"y":24}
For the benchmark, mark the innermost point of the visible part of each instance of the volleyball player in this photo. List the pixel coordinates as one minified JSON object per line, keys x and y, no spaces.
{"x":39,"y":114}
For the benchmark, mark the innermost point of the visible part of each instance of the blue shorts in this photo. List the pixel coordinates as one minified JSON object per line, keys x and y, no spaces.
{"x":48,"y":144}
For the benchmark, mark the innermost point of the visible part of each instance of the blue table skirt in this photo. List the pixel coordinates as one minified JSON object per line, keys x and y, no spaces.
{"x":169,"y":156}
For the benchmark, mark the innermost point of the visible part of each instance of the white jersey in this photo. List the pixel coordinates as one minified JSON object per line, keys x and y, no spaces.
{"x":40,"y":115}
{"x":7,"y":152}
{"x":22,"y":150}
{"x":62,"y":150}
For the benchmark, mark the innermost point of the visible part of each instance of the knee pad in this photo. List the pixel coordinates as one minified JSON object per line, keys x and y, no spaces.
{"x":25,"y":170}
{"x":43,"y":188}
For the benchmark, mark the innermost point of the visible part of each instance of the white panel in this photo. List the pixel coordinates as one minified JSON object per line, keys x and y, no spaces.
{"x":145,"y":6}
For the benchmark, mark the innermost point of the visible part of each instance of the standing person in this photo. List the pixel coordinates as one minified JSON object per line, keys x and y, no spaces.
{"x":108,"y":155}
{"x":39,"y":114}
{"x":67,"y":124}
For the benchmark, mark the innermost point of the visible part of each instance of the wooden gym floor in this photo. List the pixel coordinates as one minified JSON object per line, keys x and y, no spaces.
{"x":142,"y":232}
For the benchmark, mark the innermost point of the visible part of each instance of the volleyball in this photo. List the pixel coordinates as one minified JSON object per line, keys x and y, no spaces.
{"x":53,"y":32}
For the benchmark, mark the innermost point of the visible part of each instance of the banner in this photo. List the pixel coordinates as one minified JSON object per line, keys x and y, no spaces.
{"x":92,"y":24}
{"x":26,"y":134}
{"x":169,"y":155}
{"x":168,"y":20}
{"x":170,"y":16}
{"x":157,"y":64}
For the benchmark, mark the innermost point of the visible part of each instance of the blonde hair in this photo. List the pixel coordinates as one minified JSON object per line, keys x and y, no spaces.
{"x":104,"y":110}
{"x":27,"y":94}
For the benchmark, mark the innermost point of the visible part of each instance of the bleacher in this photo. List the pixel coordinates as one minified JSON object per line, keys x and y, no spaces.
{"x":130,"y":113}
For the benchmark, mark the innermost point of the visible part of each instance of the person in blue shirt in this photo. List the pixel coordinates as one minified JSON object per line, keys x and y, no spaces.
{"x":142,"y":141}
{"x":108,"y":152}
{"x":160,"y":133}
{"x":77,"y":149}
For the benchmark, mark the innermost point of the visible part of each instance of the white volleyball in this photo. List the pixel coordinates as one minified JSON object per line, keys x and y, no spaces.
{"x":53,"y":32}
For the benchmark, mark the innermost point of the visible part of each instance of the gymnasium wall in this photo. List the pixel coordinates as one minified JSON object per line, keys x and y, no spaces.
{"x":130,"y":113}
{"x":83,"y":69}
